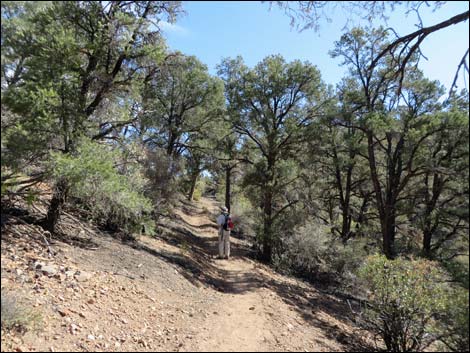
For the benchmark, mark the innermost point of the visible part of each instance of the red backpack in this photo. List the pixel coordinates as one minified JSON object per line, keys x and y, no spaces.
{"x":230,"y":224}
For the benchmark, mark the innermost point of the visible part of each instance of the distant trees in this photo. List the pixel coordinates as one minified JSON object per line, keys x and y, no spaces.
{"x":272,"y":104}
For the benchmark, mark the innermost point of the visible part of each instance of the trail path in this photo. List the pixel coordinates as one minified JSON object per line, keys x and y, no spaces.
{"x":260,"y":310}
{"x":164,"y":293}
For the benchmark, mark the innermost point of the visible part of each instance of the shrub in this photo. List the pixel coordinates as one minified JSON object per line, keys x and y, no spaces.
{"x":403,"y":297}
{"x":312,"y":251}
{"x":162,"y":172}
{"x":112,"y":198}
{"x":242,"y":216}
{"x":454,"y":324}
{"x":16,"y":315}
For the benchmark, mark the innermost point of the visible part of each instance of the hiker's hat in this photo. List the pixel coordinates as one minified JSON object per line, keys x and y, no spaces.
{"x":224,"y":209}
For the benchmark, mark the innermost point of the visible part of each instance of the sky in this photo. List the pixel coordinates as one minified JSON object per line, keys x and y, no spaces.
{"x":212,"y":30}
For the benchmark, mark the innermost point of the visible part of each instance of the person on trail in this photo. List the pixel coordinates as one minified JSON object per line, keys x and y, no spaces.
{"x":225,"y":224}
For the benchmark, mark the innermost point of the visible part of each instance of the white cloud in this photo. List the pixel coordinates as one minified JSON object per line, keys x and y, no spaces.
{"x":172,"y":28}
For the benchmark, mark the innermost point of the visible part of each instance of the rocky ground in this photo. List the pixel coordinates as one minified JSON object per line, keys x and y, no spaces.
{"x":95,"y":292}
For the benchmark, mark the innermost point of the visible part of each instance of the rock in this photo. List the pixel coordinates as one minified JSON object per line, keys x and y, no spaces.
{"x":290,"y":327}
{"x":81,"y":314}
{"x":252,"y":308}
{"x":60,"y":276}
{"x":49,"y":270}
{"x":73,"y":329}
{"x":69,"y":273}
{"x":91,"y":337}
{"x":83,"y":276}
{"x":91,"y":301}
{"x":64,"y":312}
{"x":38,"y":265}
{"x":19,"y":272}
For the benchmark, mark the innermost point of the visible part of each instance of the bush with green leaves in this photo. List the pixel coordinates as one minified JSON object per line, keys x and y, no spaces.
{"x":313,"y":251}
{"x":112,"y":198}
{"x":16,"y":315}
{"x":243,"y":214}
{"x":454,"y":325}
{"x":404,"y":296}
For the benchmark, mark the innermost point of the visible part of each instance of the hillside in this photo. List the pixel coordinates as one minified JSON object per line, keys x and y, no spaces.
{"x":163,"y":293}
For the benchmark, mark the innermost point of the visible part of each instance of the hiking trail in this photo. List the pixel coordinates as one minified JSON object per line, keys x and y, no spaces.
{"x":166,"y":293}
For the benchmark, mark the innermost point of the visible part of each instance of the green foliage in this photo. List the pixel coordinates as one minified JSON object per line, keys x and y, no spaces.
{"x":243,"y":215}
{"x":16,"y":315}
{"x":403,"y":297}
{"x":458,"y":268}
{"x":199,"y":189}
{"x":454,"y":324}
{"x":313,"y":252}
{"x":110,"y":196}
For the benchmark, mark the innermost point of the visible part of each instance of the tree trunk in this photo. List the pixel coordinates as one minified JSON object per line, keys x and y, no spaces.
{"x":388,"y":233}
{"x":228,"y":171}
{"x":267,"y":235}
{"x":193,"y":185}
{"x":427,"y":236}
{"x":346,"y":227}
{"x":266,"y":254}
{"x":58,"y":200}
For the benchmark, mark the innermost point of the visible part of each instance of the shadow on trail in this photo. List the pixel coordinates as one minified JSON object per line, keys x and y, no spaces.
{"x":199,"y":267}
{"x":196,"y":263}
{"x":312,"y":305}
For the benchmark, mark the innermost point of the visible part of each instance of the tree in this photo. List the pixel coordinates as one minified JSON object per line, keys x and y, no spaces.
{"x":396,"y":123}
{"x":308,"y":14}
{"x":442,"y":207}
{"x":271,"y":105}
{"x":73,"y":67}
{"x":180,"y":100}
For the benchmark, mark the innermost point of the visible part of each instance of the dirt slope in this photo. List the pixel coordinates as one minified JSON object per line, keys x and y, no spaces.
{"x":167,"y":293}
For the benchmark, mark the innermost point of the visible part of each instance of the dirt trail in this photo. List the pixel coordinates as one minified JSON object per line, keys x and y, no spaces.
{"x":167,"y":293}
{"x":260,"y":310}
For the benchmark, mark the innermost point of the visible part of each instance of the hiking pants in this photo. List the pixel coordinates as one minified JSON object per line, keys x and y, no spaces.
{"x":224,"y":242}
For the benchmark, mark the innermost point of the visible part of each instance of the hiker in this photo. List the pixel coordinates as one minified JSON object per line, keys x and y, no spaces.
{"x":225,"y":224}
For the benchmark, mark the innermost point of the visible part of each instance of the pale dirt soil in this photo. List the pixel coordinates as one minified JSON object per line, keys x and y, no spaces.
{"x":166,"y":293}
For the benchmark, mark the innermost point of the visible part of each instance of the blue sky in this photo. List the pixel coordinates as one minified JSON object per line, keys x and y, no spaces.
{"x":212,"y":30}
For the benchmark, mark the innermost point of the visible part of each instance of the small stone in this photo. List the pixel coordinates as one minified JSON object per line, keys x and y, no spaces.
{"x":69,"y":273}
{"x":83,"y":276}
{"x":64,"y":312}
{"x":91,"y":301}
{"x":290,"y":327}
{"x":91,"y":337}
{"x":49,"y":270}
{"x":252,"y":308}
{"x":73,"y":329}
{"x":38,"y":265}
